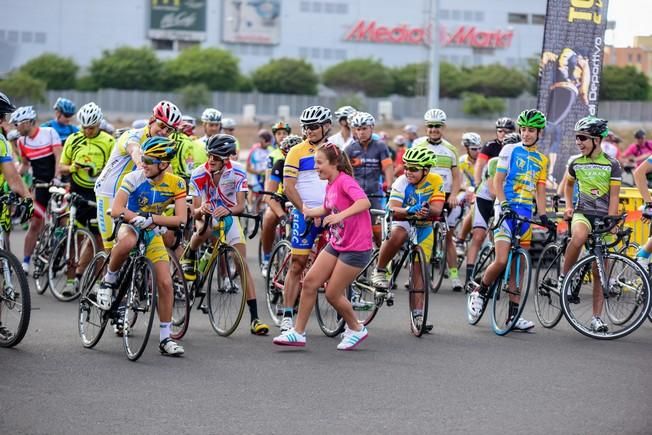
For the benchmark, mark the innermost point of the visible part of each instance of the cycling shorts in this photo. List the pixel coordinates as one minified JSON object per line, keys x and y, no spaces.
{"x":41,"y":198}
{"x":302,"y":245}
{"x":589,"y":222}
{"x":425,"y":235}
{"x":155,"y":250}
{"x":232,"y":230}
{"x":483,"y":211}
{"x":504,"y":232}
{"x":86,"y":213}
{"x":104,"y":221}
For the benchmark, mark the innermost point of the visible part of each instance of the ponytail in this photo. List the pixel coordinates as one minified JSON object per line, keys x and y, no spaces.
{"x":337,"y":157}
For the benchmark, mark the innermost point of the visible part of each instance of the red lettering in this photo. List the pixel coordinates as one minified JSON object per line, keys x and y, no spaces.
{"x":359,"y":32}
{"x":382,"y":35}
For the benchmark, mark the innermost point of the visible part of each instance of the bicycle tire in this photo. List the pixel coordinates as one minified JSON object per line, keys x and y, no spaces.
{"x":140,"y":308}
{"x":328,"y":319}
{"x":226,"y":297}
{"x":438,"y":257}
{"x":279,"y":263}
{"x":91,"y":320}
{"x":40,"y":263}
{"x":12,"y":299}
{"x":501,"y":320}
{"x":57,"y":266}
{"x":181,"y":300}
{"x":366,"y":303}
{"x":547,"y":304}
{"x":485,"y":258}
{"x":417,"y":257}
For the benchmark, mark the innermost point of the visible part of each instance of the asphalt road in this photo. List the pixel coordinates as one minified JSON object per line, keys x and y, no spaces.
{"x":459,"y":379}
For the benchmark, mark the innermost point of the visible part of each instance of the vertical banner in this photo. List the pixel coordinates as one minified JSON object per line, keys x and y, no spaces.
{"x":177,"y":19}
{"x":569,"y":73}
{"x":251,"y":22}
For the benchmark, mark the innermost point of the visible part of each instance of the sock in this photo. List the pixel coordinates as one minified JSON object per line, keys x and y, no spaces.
{"x":165,"y":330}
{"x":253,"y":309}
{"x":513,"y":309}
{"x":642,"y":253}
{"x":26,"y":259}
{"x":452,"y":273}
{"x":288,"y":311}
{"x":110,"y":277}
{"x":266,"y":257}
{"x":469,"y":271}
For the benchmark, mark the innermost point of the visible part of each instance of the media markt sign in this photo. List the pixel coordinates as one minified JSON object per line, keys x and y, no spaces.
{"x":177,"y":19}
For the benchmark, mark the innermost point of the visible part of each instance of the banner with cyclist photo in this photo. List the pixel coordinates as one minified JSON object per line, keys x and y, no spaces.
{"x":569,"y":73}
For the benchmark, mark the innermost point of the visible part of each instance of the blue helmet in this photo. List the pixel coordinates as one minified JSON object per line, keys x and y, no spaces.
{"x":160,"y":148}
{"x":65,"y":106}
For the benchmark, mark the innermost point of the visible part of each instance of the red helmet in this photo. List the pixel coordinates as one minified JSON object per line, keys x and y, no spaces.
{"x":187,"y":128}
{"x":169,"y":113}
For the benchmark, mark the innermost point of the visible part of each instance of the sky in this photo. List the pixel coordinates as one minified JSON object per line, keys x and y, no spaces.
{"x":633,"y":17}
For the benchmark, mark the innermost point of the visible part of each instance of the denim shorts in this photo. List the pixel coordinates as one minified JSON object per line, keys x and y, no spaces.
{"x":350,"y":258}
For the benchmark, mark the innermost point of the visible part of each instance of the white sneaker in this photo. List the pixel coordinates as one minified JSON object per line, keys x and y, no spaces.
{"x":351,"y":339}
{"x":290,"y":338}
{"x":264,"y":267}
{"x":523,"y":325}
{"x":598,"y":325}
{"x":379,"y":280}
{"x":25,"y":267}
{"x":286,"y":324}
{"x":104,"y":296}
{"x":169,"y":347}
{"x":457,"y":284}
{"x":476,"y":302}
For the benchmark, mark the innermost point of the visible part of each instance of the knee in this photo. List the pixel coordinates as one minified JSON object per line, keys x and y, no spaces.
{"x":332,"y":297}
{"x":297,"y":266}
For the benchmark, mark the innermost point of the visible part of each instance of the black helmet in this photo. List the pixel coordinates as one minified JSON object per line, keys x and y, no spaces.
{"x":221,"y":145}
{"x":5,"y":104}
{"x":594,"y":127}
{"x":506,"y":123}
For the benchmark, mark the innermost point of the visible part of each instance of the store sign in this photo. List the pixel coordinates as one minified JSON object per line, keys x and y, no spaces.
{"x":465,"y":36}
{"x":177,"y":19}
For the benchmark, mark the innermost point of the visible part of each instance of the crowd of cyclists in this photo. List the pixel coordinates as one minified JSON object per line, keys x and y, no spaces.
{"x":338,"y":185}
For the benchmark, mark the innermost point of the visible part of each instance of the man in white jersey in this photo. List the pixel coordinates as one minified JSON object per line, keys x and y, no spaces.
{"x":344,"y":137}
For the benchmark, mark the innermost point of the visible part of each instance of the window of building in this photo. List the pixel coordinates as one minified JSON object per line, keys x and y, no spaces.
{"x":342,"y":8}
{"x":182,"y":45}
{"x":538,"y":19}
{"x":329,"y":8}
{"x":12,"y":36}
{"x":517,"y":18}
{"x":630,"y":58}
{"x":26,"y":36}
{"x":328,"y":53}
{"x":457,"y":15}
{"x":304,"y":6}
{"x":638,"y":57}
{"x":304,"y":52}
{"x":316,"y":7}
{"x":479,"y":16}
{"x":315,"y":53}
{"x":163,"y":44}
{"x":468,"y":16}
{"x":444,"y":14}
{"x":340,"y":54}
{"x":39,"y":37}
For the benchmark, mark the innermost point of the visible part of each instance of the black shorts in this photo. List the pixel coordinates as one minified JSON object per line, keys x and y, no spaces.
{"x":85,"y":212}
{"x":350,"y":258}
{"x":42,"y":195}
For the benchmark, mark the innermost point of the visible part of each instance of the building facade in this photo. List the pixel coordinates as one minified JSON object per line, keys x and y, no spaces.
{"x":324,"y":32}
{"x":639,"y":56}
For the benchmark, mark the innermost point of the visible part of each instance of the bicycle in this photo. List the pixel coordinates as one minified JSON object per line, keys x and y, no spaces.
{"x":547,"y":305}
{"x":437,"y":259}
{"x":624,"y":283}
{"x":134,"y":306}
{"x":69,"y":251}
{"x":15,"y":301}
{"x":282,"y":231}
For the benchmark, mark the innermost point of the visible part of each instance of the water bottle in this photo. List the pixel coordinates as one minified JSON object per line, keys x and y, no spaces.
{"x":203,"y":261}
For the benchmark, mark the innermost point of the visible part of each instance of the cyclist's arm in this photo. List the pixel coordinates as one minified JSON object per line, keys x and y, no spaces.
{"x":436,"y":207}
{"x":133,"y":149}
{"x":315,"y":212}
{"x":290,"y":188}
{"x":13,"y":179}
{"x":568,"y":193}
{"x":120,"y":206}
{"x":640,"y":179}
{"x":477,"y":170}
{"x":541,"y":198}
{"x":397,"y":208}
{"x":389,"y":173}
{"x":457,"y":180}
{"x":241,"y":200}
{"x":179,"y":217}
{"x":499,"y":183}
{"x":56,"y":150}
{"x":614,"y":193}
{"x":272,"y":186}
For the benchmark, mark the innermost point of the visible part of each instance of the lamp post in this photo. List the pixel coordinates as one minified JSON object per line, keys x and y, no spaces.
{"x":433,"y":80}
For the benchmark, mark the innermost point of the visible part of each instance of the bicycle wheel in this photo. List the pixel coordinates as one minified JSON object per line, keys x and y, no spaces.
{"x":40,"y":263}
{"x":503,"y":317}
{"x":546,"y":297}
{"x":364,"y":299}
{"x":181,"y":300}
{"x":15,"y":302}
{"x":438,"y":257}
{"x":227,"y":284}
{"x":485,"y":258}
{"x":627,"y":303}
{"x":279,"y":263}
{"x":418,"y":290}
{"x":63,"y":265}
{"x":329,"y":320}
{"x":140,"y":308}
{"x":91,"y":320}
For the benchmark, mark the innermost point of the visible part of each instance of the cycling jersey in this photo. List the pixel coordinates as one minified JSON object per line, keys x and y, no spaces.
{"x":258,"y":160}
{"x":490,"y":150}
{"x":430,"y":189}
{"x":119,"y":163}
{"x":5,"y":154}
{"x":467,"y":168}
{"x":300,"y":164}
{"x":525,"y":168}
{"x":595,"y":177}
{"x":487,"y":172}
{"x":232,"y":181}
{"x":276,"y":173}
{"x":338,"y":140}
{"x":368,"y":164}
{"x":88,"y":153}
{"x":445,"y":161}
{"x":38,"y":150}
{"x":190,"y":153}
{"x":274,"y":157}
{"x":62,"y":130}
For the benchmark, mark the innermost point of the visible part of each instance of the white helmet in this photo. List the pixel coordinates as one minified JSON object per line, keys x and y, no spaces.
{"x":315,"y":115}
{"x":360,"y":119}
{"x":25,"y":113}
{"x":139,"y":123}
{"x":107,"y":127}
{"x":344,"y":112}
{"x":435,"y":115}
{"x":409,"y":128}
{"x":471,"y":139}
{"x":189,"y":119}
{"x":228,"y":123}
{"x":399,"y":139}
{"x":89,"y":115}
{"x":211,"y":115}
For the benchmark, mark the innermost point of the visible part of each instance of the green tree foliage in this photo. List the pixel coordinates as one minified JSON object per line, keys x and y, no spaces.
{"x":352,"y":100}
{"x":411,"y":79}
{"x":452,"y":80}
{"x":23,"y":89}
{"x":86,"y":83}
{"x":194,"y":96}
{"x":532,"y":75}
{"x":479,"y":105}
{"x":57,"y":72}
{"x":127,"y":68}
{"x":286,"y":76}
{"x":624,"y":84}
{"x":496,"y":80}
{"x":360,"y":75}
{"x":216,"y":68}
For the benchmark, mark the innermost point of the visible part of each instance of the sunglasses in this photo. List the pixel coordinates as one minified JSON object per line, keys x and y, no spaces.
{"x":434,"y":125}
{"x":474,"y":148}
{"x":16,"y":124}
{"x":150,"y":161}
{"x":311,"y":127}
{"x":501,"y":130}
{"x":215,"y":158}
{"x":165,"y":129}
{"x":582,"y":138}
{"x":413,"y":169}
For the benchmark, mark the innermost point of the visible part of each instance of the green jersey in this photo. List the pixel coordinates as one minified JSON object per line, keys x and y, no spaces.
{"x":595,"y":177}
{"x":88,"y":154}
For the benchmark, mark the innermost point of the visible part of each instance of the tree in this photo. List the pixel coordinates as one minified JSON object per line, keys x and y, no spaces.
{"x":57,"y":72}
{"x":23,"y":89}
{"x":479,"y":105}
{"x":623,"y":83}
{"x":496,"y":81}
{"x":286,"y":76}
{"x":195,"y":96}
{"x":452,"y":80}
{"x":127,"y":68}
{"x":360,"y":75}
{"x":411,"y":79}
{"x":216,"y":68}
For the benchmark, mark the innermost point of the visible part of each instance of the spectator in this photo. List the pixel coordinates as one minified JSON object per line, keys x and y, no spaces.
{"x":399,"y":142}
{"x":637,"y":152}
{"x":610,"y":146}
{"x":410,"y":135}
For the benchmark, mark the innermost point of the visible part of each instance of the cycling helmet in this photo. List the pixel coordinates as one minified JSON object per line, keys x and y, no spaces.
{"x":361,"y":119}
{"x":435,"y":115}
{"x":25,"y":113}
{"x":160,"y":148}
{"x":65,"y":106}
{"x":221,"y":145}
{"x":211,"y":115}
{"x":281,"y":126}
{"x":265,"y":135}
{"x":399,"y":140}
{"x":89,"y":115}
{"x":506,"y":123}
{"x":139,"y":123}
{"x":511,"y":138}
{"x":5,"y":104}
{"x":189,"y":119}
{"x":228,"y":123}
{"x":107,"y":126}
{"x":420,"y":156}
{"x":315,"y":115}
{"x":13,"y":135}
{"x":289,"y":142}
{"x":591,"y":126}
{"x":471,"y":139}
{"x":409,"y":128}
{"x":344,"y":112}
{"x":168,"y":113}
{"x":187,"y":128}
{"x":532,"y":118}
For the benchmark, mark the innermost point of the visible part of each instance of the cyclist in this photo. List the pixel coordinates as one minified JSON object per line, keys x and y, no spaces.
{"x":446,"y":165}
{"x":491,"y":149}
{"x":640,"y":177}
{"x":212,"y":123}
{"x":257,"y":165}
{"x":371,"y":163}
{"x":125,"y":158}
{"x":344,"y":137}
{"x":520,"y":184}
{"x":218,"y":188}
{"x":400,"y":142}
{"x":598,"y":177}
{"x":410,"y":135}
{"x":188,"y":125}
{"x":418,"y":192}
{"x":142,"y":198}
{"x":9,"y":173}
{"x":303,"y":187}
{"x":64,"y":110}
{"x":40,"y":150}
{"x":280,"y":130}
{"x":228,"y":127}
{"x":84,"y":155}
{"x":190,"y":154}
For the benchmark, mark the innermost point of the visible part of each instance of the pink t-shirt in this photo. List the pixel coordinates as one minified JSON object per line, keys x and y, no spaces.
{"x":354,"y":233}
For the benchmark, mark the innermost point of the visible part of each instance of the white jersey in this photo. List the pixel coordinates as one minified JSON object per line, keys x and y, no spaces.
{"x":338,"y":140}
{"x":119,"y":163}
{"x":444,"y":163}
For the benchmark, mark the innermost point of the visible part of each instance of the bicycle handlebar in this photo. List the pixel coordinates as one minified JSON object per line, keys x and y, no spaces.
{"x":255,"y":217}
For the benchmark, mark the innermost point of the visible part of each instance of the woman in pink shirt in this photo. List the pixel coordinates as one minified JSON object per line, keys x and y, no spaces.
{"x":346,"y":212}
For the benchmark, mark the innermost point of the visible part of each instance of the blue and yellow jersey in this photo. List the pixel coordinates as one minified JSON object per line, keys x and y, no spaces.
{"x":119,"y":163}
{"x":525,"y":168}
{"x":430,"y":190}
{"x":300,"y":164}
{"x":145,"y":196}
